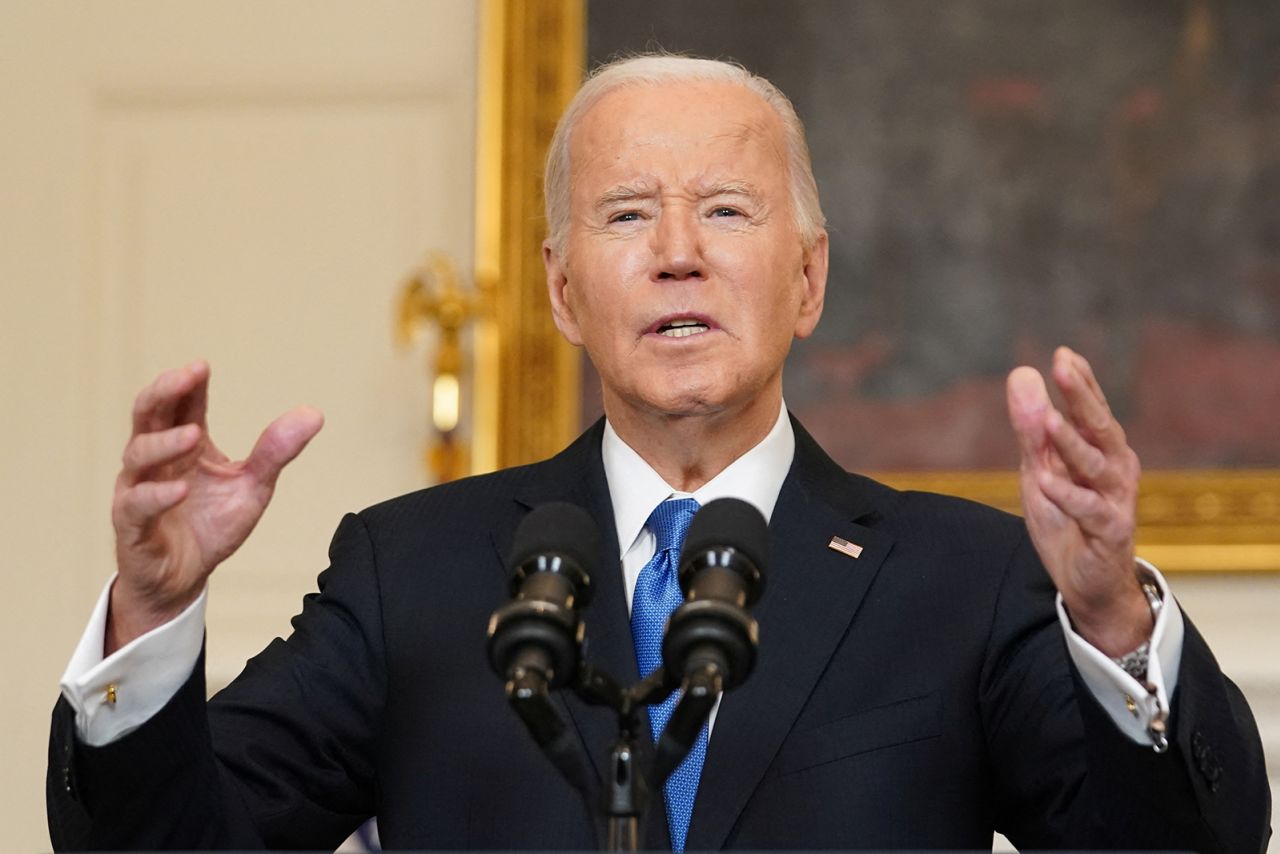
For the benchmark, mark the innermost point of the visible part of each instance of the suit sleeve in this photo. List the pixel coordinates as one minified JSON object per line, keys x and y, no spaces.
{"x":283,"y":757}
{"x":1066,"y":776}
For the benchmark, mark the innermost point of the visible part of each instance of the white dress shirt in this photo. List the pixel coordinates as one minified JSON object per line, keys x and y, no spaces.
{"x":146,"y":673}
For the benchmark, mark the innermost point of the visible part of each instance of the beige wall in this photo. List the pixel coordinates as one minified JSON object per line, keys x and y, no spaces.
{"x":243,"y":181}
{"x":248,"y":181}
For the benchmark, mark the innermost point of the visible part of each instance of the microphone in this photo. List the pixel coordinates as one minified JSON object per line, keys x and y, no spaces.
{"x":538,"y":634}
{"x":535,"y":640}
{"x":710,"y":644}
{"x":721,"y":574}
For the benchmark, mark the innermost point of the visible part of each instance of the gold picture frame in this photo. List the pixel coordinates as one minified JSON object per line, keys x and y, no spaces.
{"x":1220,"y":520}
{"x":529,"y":403}
{"x":528,"y":378}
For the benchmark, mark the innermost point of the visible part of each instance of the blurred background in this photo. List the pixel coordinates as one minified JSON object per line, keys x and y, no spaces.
{"x":263,"y":184}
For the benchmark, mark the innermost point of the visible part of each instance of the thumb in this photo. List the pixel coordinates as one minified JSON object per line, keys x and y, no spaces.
{"x":283,"y":440}
{"x":1028,"y":402}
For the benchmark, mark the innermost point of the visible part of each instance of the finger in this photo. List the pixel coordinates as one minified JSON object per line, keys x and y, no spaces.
{"x":1028,"y":402}
{"x":1041,"y":514}
{"x":1087,"y":507}
{"x":1085,"y":402}
{"x":194,"y":406}
{"x":282,"y":441}
{"x":146,"y":451}
{"x":144,"y":405}
{"x":156,"y":405}
{"x":139,"y":506}
{"x":1084,"y":463}
{"x":1086,"y":371}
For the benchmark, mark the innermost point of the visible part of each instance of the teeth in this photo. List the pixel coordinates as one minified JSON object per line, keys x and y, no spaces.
{"x":683,"y":331}
{"x":682,"y":328}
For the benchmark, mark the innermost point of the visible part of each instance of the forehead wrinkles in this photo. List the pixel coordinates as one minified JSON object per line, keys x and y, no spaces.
{"x":633,"y":111}
{"x":618,"y":166}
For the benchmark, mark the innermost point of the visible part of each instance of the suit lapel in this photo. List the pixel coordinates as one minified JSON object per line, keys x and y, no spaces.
{"x":577,"y":475}
{"x":811,"y":595}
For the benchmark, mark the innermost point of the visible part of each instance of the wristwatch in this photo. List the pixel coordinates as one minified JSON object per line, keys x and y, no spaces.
{"x":1135,"y":663}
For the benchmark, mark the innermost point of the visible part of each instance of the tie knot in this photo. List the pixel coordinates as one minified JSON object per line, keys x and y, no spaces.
{"x":670,"y":520}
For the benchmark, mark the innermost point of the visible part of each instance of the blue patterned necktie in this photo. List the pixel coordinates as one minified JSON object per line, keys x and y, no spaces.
{"x":657,"y":594}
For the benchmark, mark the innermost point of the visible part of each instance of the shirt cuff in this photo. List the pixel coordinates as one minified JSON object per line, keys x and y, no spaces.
{"x":115,"y":695}
{"x":1125,"y":700}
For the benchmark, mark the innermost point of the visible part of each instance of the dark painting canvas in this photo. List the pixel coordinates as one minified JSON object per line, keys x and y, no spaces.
{"x":1001,"y":176}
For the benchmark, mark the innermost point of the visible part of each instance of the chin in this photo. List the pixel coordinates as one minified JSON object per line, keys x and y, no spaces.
{"x":688,"y":392}
{"x":694,"y":399}
{"x":680,"y":406}
{"x":673,"y":399}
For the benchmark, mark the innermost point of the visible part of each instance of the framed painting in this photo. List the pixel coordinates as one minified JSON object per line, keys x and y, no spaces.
{"x":1002,"y":176}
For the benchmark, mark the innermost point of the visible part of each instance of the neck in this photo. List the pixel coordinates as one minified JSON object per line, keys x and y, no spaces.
{"x":687,"y":450}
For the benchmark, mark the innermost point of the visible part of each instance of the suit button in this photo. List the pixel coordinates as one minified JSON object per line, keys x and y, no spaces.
{"x":1206,"y":761}
{"x":67,"y":782}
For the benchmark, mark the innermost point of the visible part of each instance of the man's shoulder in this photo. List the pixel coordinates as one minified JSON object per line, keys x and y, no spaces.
{"x":922,"y":521}
{"x":919,"y":514}
{"x":457,"y":497}
{"x":941,"y":538}
{"x":479,"y":498}
{"x":952,"y":509}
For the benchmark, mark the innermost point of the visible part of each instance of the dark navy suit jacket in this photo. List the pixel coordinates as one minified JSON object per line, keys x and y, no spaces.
{"x":919,"y":696}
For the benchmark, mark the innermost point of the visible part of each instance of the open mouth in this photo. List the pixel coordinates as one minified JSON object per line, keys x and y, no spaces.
{"x":682,"y":328}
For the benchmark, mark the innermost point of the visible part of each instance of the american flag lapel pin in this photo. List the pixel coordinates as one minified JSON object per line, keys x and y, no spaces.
{"x":840,"y":544}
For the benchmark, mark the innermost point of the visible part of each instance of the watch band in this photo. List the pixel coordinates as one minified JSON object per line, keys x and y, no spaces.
{"x":1135,"y":663}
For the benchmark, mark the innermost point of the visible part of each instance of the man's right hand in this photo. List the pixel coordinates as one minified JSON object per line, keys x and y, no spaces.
{"x":181,"y":506}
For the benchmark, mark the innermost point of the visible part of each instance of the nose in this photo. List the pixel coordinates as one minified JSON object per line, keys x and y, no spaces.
{"x":677,"y":246}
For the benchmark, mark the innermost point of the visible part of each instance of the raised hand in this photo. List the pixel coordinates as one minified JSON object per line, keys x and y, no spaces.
{"x":1079,"y":483}
{"x":181,"y":506}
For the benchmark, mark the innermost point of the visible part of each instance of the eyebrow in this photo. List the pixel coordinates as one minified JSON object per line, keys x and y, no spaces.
{"x":624,"y":193}
{"x":728,"y":188}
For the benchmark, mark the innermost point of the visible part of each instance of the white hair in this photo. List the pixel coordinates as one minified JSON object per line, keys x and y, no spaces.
{"x":657,"y":69}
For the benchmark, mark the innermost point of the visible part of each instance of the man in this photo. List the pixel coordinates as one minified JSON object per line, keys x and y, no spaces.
{"x":919,"y":694}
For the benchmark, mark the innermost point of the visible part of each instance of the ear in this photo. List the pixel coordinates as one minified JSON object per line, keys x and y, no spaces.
{"x":557,"y":287}
{"x":815,"y":287}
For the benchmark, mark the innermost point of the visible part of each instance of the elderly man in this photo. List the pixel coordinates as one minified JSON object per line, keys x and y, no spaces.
{"x":919,"y":688}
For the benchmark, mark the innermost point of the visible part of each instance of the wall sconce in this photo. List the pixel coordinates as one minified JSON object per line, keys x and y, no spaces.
{"x":432,"y":294}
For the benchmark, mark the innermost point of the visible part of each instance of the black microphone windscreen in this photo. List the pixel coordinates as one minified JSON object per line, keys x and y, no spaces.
{"x":729,"y":522}
{"x":557,"y":528}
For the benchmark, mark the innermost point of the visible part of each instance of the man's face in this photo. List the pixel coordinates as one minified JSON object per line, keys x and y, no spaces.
{"x":683,"y":273}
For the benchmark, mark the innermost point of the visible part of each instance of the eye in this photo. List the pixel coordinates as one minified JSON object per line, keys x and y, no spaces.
{"x":722,"y":211}
{"x":625,"y":216}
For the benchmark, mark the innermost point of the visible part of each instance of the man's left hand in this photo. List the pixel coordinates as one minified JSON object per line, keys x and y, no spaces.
{"x":1079,"y":483}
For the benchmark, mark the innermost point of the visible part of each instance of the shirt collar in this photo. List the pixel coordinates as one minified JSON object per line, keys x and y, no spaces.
{"x":635,"y":488}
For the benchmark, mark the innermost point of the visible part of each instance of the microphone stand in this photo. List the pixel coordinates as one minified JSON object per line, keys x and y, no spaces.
{"x":709,"y":645}
{"x":629,"y":784}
